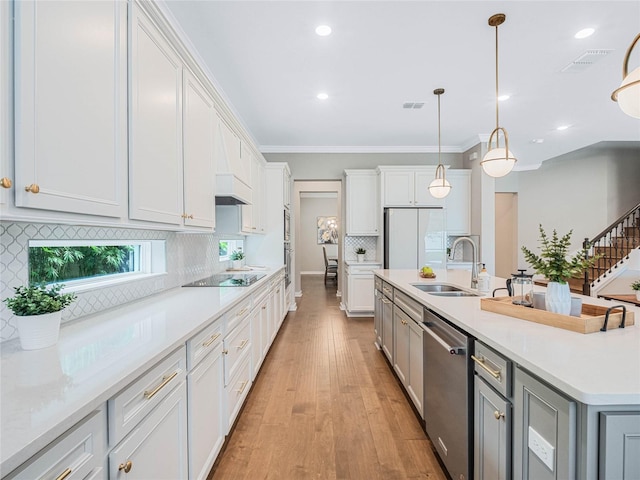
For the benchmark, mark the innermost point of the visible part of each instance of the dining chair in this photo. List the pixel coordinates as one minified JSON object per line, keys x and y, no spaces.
{"x":330,"y":267}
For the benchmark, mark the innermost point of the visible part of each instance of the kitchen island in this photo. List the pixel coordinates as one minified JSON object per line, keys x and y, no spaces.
{"x":596,"y":374}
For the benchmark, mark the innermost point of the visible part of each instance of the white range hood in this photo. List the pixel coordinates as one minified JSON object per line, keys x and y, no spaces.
{"x":230,"y":190}
{"x":233,"y":174}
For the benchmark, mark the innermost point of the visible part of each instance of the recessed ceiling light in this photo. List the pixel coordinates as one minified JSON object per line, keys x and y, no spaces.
{"x":323,"y":30}
{"x":323,"y":96}
{"x":502,"y":98}
{"x":563,"y":127}
{"x":584,"y":33}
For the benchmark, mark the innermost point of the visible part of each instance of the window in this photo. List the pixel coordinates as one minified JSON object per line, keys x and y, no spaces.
{"x":227,"y":247}
{"x":83,"y":264}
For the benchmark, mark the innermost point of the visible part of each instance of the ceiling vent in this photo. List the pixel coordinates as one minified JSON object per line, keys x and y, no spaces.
{"x":585,"y":60}
{"x":413,"y":105}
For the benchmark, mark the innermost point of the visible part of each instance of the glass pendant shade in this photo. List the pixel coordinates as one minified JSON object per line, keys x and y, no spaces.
{"x":628,"y":94}
{"x":440,"y":186}
{"x":496,"y":163}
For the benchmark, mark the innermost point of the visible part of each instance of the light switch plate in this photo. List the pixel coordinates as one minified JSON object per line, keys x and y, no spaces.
{"x":541,"y":448}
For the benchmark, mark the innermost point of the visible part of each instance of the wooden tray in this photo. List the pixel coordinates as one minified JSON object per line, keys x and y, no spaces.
{"x":591,"y":320}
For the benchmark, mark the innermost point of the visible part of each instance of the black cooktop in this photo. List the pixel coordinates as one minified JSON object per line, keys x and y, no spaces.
{"x":228,"y":280}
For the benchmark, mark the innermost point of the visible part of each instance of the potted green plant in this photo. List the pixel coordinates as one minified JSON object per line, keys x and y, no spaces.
{"x":39,"y":310}
{"x":237,"y":257}
{"x":360,"y":252}
{"x":555,"y":263}
{"x":635,"y":286}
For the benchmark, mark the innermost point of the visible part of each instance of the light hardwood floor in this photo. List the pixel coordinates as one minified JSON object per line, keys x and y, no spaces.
{"x":325,"y":405}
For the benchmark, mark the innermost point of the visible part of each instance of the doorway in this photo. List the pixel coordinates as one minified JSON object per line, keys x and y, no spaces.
{"x":313,"y":199}
{"x":506,"y":234}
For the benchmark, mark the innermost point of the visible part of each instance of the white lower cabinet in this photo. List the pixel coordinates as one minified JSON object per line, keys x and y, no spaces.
{"x":415,"y":384}
{"x":237,"y":368}
{"x":359,"y":299}
{"x":157,"y":447}
{"x":492,"y":433}
{"x":237,"y":390}
{"x":259,"y":330}
{"x":78,"y":454}
{"x":387,"y":326}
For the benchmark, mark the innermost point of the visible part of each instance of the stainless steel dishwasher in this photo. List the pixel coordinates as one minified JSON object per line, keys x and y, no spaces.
{"x":447,"y":394}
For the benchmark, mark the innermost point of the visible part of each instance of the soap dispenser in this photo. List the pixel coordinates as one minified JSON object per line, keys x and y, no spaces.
{"x":483,"y":280}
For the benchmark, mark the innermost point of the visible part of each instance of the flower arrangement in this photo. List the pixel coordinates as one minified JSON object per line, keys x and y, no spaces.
{"x":38,"y":300}
{"x":554,"y":261}
{"x":237,"y":255}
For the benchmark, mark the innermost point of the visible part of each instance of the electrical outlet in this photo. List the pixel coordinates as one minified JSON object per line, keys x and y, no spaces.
{"x":541,"y":448}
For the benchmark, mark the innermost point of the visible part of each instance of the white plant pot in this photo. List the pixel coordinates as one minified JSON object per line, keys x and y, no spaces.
{"x":39,"y":331}
{"x":558,"y":298}
{"x":360,"y":257}
{"x":237,"y":264}
{"x":638,"y":295}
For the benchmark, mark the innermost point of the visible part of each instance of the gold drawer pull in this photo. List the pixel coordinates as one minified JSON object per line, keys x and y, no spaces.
{"x":64,"y":474}
{"x":241,"y":312}
{"x":149,"y":394}
{"x":211,"y":340}
{"x":33,"y":188}
{"x":480,"y":361}
{"x":498,"y":414}
{"x":225,"y":351}
{"x":243,"y":344}
{"x":241,"y":389}
{"x":5,"y":182}
{"x":125,"y":466}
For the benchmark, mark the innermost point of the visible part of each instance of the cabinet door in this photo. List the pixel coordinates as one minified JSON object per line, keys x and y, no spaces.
{"x":492,"y":434}
{"x":377,"y":318}
{"x":416,"y":366}
{"x":199,"y":120}
{"x":544,"y":442}
{"x":387,"y":328}
{"x":265,"y":325}
{"x":286,"y":184}
{"x":362,"y":203}
{"x":422,"y":196}
{"x":360,"y":292}
{"x":155,"y":166}
{"x":157,"y":447}
{"x":206,"y":433}
{"x":619,"y":446}
{"x":230,"y":152}
{"x":7,"y":184}
{"x":401,"y":337}
{"x":256,"y":341}
{"x":458,"y":202}
{"x":71,"y":106}
{"x":398,"y":189}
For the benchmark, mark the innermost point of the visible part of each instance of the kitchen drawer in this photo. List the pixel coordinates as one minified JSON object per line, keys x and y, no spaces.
{"x":377,"y":283}
{"x":387,"y":290}
{"x":77,"y":454}
{"x":259,"y":296}
{"x":237,"y":314}
{"x":131,"y":405}
{"x":236,"y":346}
{"x":362,"y":269}
{"x":204,"y":342}
{"x":408,"y":305}
{"x":494,"y":368}
{"x":237,"y":391}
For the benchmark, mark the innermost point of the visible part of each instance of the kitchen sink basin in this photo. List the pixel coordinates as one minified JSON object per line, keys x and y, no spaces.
{"x":459,"y":293}
{"x":436,"y":287}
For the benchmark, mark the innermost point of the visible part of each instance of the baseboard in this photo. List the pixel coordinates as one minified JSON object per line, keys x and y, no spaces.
{"x":312,"y":272}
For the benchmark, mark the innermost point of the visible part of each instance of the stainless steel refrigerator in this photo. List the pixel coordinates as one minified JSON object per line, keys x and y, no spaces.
{"x":414,"y":237}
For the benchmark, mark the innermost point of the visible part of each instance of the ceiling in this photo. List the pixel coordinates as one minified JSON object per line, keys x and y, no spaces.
{"x":269,"y":63}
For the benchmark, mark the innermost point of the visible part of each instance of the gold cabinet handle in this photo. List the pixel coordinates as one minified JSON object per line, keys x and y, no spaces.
{"x":241,"y":389}
{"x":241,"y":312}
{"x":243,"y":344}
{"x":64,"y":474}
{"x":190,"y":216}
{"x":33,"y":188}
{"x":480,"y":361}
{"x":125,"y":466}
{"x":225,"y":351}
{"x":211,"y":340}
{"x":498,"y":414}
{"x":166,"y":379}
{"x":264,"y":307}
{"x":5,"y":182}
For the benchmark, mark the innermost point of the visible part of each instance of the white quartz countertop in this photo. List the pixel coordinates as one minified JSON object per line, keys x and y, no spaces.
{"x":45,"y":392}
{"x":363,"y":263}
{"x":601,"y":368}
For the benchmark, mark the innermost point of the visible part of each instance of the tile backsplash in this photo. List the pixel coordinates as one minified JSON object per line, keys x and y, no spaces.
{"x":189,"y":256}
{"x":370,"y":244}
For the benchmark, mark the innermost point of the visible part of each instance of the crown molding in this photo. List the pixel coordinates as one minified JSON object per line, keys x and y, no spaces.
{"x":357,"y":149}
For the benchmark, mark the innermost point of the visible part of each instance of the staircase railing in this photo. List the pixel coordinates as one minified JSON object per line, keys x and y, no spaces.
{"x":614,"y":245}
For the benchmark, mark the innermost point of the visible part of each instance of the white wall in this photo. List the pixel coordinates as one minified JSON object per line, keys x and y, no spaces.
{"x":310,"y":252}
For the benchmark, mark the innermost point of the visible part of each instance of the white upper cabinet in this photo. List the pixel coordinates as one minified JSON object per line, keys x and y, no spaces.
{"x":155,"y":166}
{"x":287,"y":187}
{"x":71,"y":106}
{"x":362,"y":208}
{"x":7,"y":183}
{"x":200,"y":119}
{"x":408,"y":187}
{"x":458,"y":202}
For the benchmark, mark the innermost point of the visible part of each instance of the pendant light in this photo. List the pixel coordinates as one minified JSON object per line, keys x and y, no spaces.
{"x":498,"y":161}
{"x":440,"y":187}
{"x":628,"y":95}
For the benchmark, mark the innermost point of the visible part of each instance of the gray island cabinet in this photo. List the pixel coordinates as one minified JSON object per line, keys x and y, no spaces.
{"x":550,"y":404}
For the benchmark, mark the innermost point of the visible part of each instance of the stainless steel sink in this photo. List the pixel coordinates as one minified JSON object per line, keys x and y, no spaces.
{"x":436,"y":287}
{"x":458,"y":293}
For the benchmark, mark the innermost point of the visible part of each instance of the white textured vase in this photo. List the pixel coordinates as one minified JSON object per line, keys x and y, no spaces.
{"x":638,"y":295}
{"x":558,"y":298}
{"x":360,"y":257}
{"x":39,"y":331}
